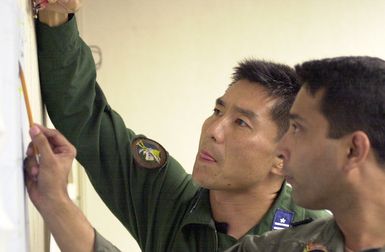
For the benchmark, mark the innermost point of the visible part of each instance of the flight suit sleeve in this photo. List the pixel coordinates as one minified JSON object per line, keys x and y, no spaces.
{"x":146,"y":201}
{"x":103,"y":245}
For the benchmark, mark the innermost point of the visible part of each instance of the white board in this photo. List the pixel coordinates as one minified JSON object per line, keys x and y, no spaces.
{"x":17,"y":44}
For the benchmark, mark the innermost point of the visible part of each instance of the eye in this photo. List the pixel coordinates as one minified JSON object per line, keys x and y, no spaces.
{"x":294,"y":128}
{"x":241,"y":123}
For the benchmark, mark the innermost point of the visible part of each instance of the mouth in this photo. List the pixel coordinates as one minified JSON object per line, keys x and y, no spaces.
{"x":205,"y":156}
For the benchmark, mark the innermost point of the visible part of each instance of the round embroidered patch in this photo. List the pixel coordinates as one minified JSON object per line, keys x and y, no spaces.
{"x":315,"y":247}
{"x":148,"y":153}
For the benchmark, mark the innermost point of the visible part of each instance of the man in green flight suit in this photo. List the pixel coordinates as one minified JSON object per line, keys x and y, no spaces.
{"x":334,"y":157}
{"x":236,"y":188}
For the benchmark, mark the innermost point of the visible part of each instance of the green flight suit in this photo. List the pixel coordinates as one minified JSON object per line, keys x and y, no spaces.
{"x":322,"y":235}
{"x":160,"y":206}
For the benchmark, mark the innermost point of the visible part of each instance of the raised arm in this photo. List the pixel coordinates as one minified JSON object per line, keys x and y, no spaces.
{"x":130,"y":183}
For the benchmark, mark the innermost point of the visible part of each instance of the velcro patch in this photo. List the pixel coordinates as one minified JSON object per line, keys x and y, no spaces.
{"x":148,"y":153}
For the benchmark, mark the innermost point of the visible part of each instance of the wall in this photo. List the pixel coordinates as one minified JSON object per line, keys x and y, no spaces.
{"x":21,"y":227}
{"x":165,"y":62}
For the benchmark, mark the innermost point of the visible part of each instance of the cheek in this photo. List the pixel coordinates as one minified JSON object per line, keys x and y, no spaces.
{"x":302,"y":151}
{"x":249,"y":158}
{"x":320,"y":164}
{"x":240,"y":153}
{"x":204,"y":127}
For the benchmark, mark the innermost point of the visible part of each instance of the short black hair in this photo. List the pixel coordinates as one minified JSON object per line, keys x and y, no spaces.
{"x":354,"y":97}
{"x":279,"y":80}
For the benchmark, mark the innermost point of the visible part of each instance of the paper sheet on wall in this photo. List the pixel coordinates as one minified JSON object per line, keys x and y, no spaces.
{"x":12,"y":194}
{"x":2,"y":129}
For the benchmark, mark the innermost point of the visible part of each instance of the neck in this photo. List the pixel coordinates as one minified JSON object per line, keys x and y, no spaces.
{"x":242,"y":210}
{"x":362,"y":221}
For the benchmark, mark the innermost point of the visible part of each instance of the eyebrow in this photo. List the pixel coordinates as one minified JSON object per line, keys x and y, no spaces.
{"x":293,"y":116}
{"x":219,"y":101}
{"x":248,"y":113}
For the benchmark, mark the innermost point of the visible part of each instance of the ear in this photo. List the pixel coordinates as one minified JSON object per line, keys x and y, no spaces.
{"x":358,"y":149}
{"x":278,"y":166}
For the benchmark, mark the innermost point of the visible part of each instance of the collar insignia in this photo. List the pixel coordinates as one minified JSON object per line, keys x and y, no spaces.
{"x":282,"y":219}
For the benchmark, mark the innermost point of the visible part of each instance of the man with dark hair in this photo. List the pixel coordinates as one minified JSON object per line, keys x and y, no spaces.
{"x":237,"y":186}
{"x":334,"y":153}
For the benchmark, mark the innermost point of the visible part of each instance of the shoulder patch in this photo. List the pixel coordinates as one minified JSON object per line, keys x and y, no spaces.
{"x":148,"y":153}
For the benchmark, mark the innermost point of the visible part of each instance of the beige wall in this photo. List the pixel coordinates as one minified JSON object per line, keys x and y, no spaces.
{"x":164,"y":62}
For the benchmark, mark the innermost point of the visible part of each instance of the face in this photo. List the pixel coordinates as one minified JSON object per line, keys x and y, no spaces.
{"x":311,"y":158}
{"x":237,"y":148}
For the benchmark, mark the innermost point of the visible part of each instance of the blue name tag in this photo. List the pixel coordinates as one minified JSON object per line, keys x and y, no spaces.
{"x":282,"y":219}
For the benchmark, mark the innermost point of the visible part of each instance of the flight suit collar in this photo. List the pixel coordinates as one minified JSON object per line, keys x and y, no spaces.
{"x":282,"y":202}
{"x":200,"y":210}
{"x":332,"y":236}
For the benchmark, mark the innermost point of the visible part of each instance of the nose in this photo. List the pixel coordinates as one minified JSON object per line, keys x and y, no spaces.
{"x":215,"y":128}
{"x":282,"y":149}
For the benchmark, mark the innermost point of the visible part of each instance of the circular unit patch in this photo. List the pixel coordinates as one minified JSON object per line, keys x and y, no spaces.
{"x":315,"y":247}
{"x":148,"y":153}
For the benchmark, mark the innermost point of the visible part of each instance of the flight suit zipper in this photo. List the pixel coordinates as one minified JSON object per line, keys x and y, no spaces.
{"x":216,"y":240}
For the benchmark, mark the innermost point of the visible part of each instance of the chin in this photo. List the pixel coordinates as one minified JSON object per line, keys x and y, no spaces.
{"x":201,"y":184}
{"x":201,"y":180}
{"x":197,"y":178}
